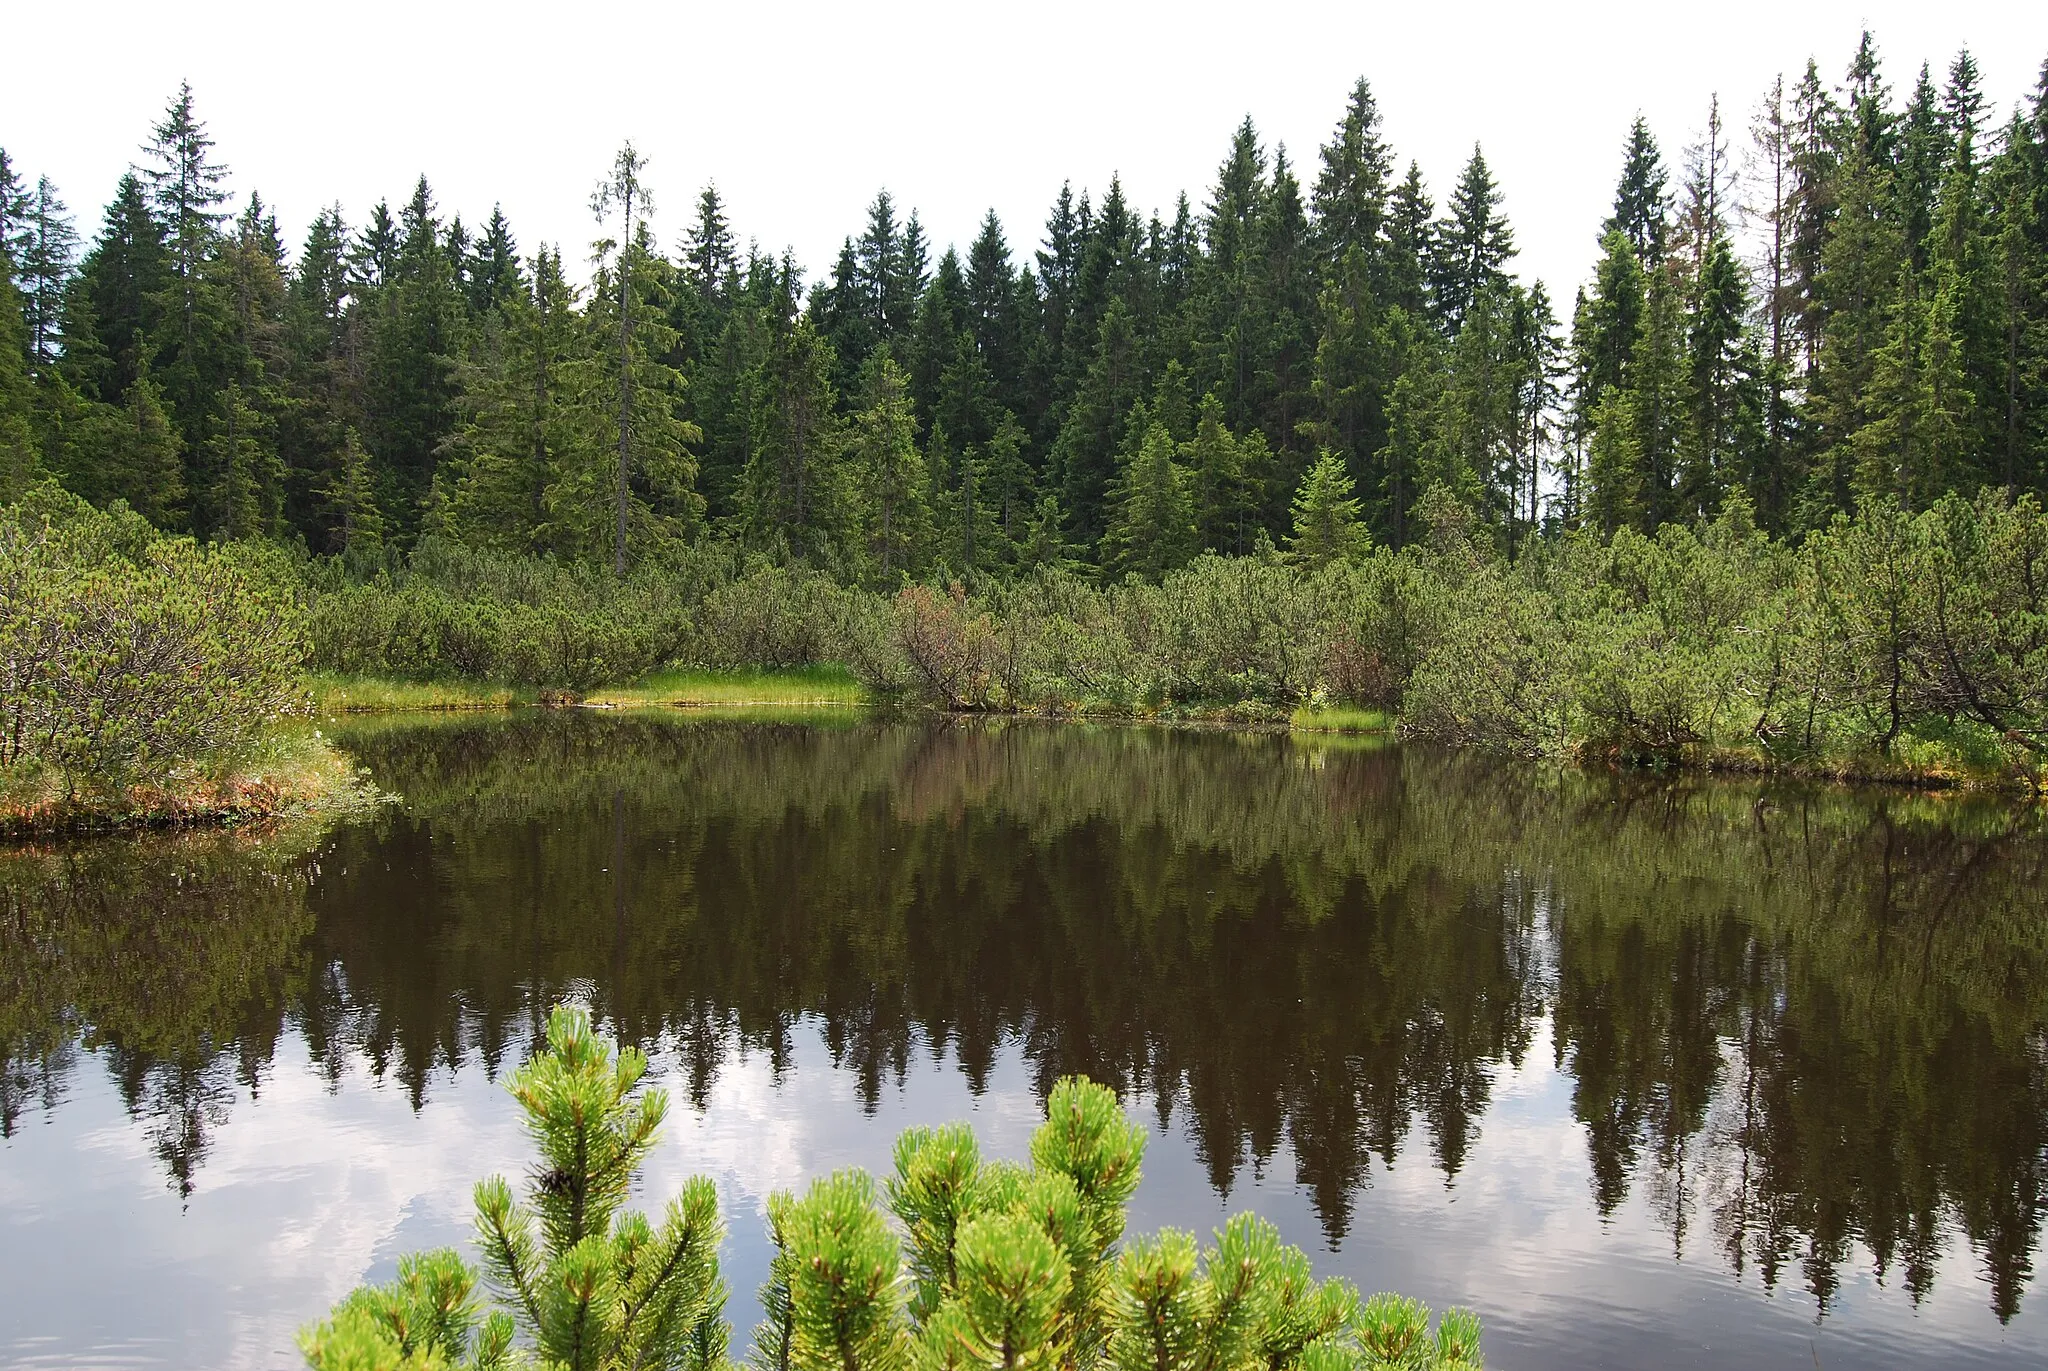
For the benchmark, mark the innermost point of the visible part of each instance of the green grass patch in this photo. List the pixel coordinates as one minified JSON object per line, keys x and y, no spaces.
{"x":291,"y":773}
{"x":1341,"y":719}
{"x":821,"y":685}
{"x":339,"y":694}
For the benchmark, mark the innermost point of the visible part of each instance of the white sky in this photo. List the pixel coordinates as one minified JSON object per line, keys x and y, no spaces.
{"x":800,"y":112}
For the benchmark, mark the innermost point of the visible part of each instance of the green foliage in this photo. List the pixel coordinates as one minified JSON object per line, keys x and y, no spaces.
{"x":400,"y":388}
{"x":1326,"y":522}
{"x":585,"y":1285}
{"x":1009,"y":1269}
{"x":129,"y":656}
{"x":449,"y":612}
{"x":1012,"y":1268}
{"x":1152,"y":527}
{"x":424,"y":1320}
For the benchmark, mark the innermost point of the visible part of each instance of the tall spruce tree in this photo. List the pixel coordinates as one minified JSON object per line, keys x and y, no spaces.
{"x":1473,"y":243}
{"x":1352,"y":186}
{"x":1860,"y":267}
{"x":795,"y":490}
{"x":1641,"y":204}
{"x":893,"y":479}
{"x":1152,"y":530}
{"x":49,"y":249}
{"x":521,"y":430}
{"x":19,"y":459}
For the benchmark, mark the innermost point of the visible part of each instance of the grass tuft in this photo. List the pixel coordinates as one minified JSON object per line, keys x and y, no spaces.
{"x":293,"y":773}
{"x":808,"y":686}
{"x":340,"y":694}
{"x":1341,"y":719}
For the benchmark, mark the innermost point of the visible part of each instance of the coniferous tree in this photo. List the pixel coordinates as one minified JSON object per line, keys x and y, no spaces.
{"x":992,"y":312}
{"x":935,"y":347}
{"x":318,"y":375}
{"x":795,"y":487}
{"x":1008,"y":487}
{"x":1327,"y":526}
{"x":1413,"y":456}
{"x":1409,"y":247}
{"x":1859,"y":269}
{"x":1916,"y":173}
{"x":1656,"y":401}
{"x":1353,"y":366}
{"x":521,"y":429}
{"x":1085,"y":454}
{"x":1813,"y":204}
{"x":629,"y":403}
{"x":1707,"y":199}
{"x":1536,"y":366}
{"x":138,"y":457}
{"x":15,"y":211}
{"x":1473,"y":244}
{"x":247,"y":274}
{"x":244,"y":481}
{"x":1152,"y":530}
{"x":1352,"y":187}
{"x":1640,"y":198}
{"x":491,"y":273}
{"x":19,"y":458}
{"x":1229,"y":273}
{"x":584,"y":1282}
{"x":711,"y":258}
{"x":1609,"y":320}
{"x":351,"y":497}
{"x":1226,"y":495}
{"x":416,"y":329}
{"x":893,"y":479}
{"x":624,"y":191}
{"x":1721,"y":428}
{"x":968,"y":508}
{"x":1286,"y":311}
{"x":186,"y":194}
{"x":731,"y":385}
{"x":49,"y":247}
{"x":113,"y":310}
{"x":1772,"y":478}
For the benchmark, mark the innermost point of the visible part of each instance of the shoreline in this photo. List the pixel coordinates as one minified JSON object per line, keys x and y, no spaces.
{"x":794,"y":690}
{"x":301,"y":777}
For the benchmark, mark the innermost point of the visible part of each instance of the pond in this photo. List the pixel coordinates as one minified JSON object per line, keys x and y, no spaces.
{"x":1692,"y":1073}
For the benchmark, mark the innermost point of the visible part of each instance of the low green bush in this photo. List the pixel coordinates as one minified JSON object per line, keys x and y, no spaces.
{"x":952,"y":1262}
{"x":130,"y":657}
{"x":1914,"y":643}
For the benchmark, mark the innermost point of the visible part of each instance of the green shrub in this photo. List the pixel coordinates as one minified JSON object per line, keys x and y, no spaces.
{"x":127,"y":656}
{"x":1891,"y":642}
{"x":450,"y":612}
{"x":953,"y":1263}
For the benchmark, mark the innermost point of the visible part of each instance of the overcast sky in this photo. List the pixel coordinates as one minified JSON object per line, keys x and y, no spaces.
{"x":800,"y":112}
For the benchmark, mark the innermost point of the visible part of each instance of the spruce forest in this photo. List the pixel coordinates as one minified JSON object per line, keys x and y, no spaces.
{"x":1839,"y":296}
{"x":1766,"y":491}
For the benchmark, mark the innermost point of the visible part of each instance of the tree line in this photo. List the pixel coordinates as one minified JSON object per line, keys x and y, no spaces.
{"x":1846,"y":303}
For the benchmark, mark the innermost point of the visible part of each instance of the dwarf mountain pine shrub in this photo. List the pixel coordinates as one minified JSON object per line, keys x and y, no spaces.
{"x":953,"y":1262}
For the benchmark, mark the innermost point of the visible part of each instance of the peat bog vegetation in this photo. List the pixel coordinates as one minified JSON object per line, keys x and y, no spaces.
{"x":1307,"y":458}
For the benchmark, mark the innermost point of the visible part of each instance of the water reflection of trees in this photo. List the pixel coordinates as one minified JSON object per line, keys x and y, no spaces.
{"x":1793,"y":1018}
{"x":173,"y":956}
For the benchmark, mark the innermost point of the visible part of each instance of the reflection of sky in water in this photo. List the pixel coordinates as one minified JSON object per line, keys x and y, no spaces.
{"x":308,"y":1187}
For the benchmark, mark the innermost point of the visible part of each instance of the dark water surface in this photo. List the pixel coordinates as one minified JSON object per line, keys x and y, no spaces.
{"x":1702,"y":1074}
